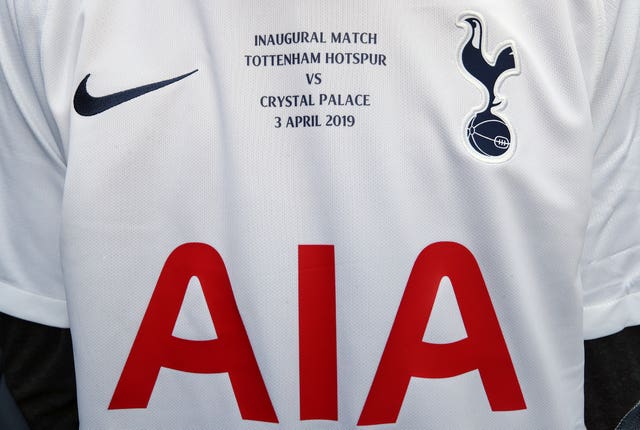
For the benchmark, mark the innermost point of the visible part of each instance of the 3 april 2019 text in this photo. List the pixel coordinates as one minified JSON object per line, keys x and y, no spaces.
{"x":310,"y":121}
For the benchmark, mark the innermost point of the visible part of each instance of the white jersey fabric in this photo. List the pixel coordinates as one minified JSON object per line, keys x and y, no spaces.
{"x":324,"y":214}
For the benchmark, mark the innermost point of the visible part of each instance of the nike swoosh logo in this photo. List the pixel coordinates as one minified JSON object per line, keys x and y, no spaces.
{"x":87,"y":105}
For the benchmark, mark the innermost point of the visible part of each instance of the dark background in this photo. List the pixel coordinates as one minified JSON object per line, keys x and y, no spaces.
{"x":612,"y":378}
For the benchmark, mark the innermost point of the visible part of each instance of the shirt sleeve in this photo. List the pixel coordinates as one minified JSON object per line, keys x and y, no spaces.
{"x":610,"y":267}
{"x":32,"y":173}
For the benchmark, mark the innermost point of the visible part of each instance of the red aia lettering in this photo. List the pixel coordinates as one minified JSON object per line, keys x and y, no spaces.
{"x":156,"y":347}
{"x":406,"y":355}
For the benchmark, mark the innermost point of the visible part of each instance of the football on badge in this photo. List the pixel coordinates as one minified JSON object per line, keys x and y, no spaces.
{"x":488,"y":134}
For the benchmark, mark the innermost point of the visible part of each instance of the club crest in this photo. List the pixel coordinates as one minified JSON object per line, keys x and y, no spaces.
{"x":488,"y":135}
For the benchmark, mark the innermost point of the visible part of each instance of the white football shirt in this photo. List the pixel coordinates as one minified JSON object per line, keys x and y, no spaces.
{"x":322,"y":215}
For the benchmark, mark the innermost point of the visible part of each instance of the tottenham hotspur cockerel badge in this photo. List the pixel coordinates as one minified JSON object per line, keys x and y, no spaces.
{"x":489,"y":136}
